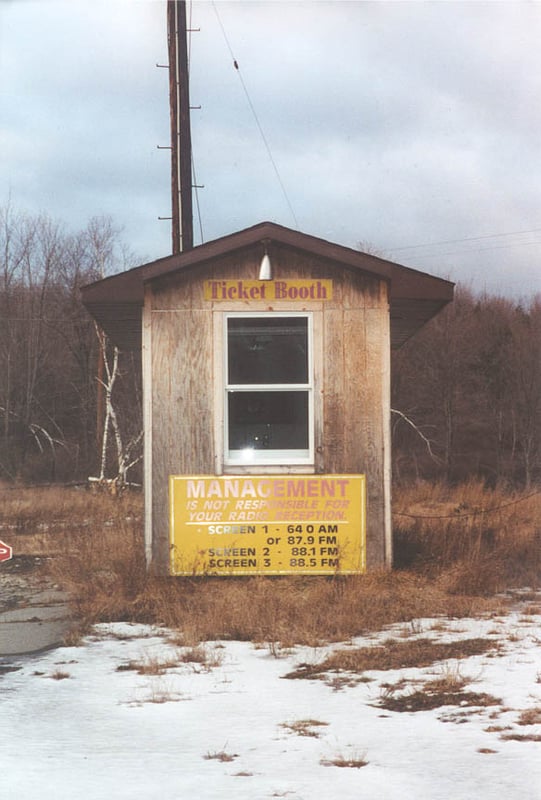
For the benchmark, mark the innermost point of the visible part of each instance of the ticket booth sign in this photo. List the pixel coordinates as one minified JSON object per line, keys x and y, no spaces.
{"x":287,"y":290}
{"x":268,"y":525}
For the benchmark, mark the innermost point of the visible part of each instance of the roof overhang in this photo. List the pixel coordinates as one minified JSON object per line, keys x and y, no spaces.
{"x":116,"y":302}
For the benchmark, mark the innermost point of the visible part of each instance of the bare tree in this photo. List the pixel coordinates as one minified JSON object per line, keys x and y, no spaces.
{"x":471,"y":382}
{"x":127,"y":455}
{"x":525,"y":388}
{"x":48,"y":347}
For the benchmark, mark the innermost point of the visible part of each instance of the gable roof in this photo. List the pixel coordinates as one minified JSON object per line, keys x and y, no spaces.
{"x":116,"y":302}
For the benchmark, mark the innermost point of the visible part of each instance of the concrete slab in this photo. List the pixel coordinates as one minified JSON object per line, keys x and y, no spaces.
{"x":30,"y":636}
{"x":34,"y":612}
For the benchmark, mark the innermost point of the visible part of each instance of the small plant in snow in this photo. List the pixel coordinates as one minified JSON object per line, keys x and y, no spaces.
{"x":201,"y":654}
{"x":220,"y":755}
{"x":340,"y":760}
{"x":530,"y":716}
{"x":304,"y":727}
{"x":59,"y":675}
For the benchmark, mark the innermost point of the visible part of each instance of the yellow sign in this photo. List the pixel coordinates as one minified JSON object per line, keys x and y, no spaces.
{"x":220,"y":291}
{"x":268,"y":525}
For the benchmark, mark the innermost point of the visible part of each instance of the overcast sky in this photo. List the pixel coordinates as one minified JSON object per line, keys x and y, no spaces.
{"x":391,"y":125}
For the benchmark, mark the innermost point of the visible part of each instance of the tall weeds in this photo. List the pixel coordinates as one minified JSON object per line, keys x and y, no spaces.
{"x":471,"y":539}
{"x":455,"y":548}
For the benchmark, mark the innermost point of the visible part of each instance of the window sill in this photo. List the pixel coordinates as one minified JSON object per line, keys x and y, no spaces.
{"x":269,"y":469}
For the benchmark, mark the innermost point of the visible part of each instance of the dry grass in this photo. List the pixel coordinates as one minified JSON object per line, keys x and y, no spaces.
{"x":446,"y":567}
{"x":160,"y":693}
{"x":59,"y":675}
{"x":392,"y":654}
{"x":305,"y":727}
{"x":446,"y":690}
{"x":148,"y":666}
{"x":531,"y":716}
{"x":285,"y":611}
{"x":470,"y":539}
{"x":202,"y":656}
{"x":341,"y":760}
{"x":42,"y":511}
{"x":220,"y":755}
{"x":451,"y":679}
{"x":428,"y":698}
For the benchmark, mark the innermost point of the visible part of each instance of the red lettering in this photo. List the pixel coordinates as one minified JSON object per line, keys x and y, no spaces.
{"x":217,"y":289}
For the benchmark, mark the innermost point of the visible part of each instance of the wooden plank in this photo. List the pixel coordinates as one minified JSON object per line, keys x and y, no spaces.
{"x":356,"y":393}
{"x":387,"y":441}
{"x":182,"y":407}
{"x":333,"y":395}
{"x":147,"y":421}
{"x":175,"y":291}
{"x":162,"y":436}
{"x":377,"y":348}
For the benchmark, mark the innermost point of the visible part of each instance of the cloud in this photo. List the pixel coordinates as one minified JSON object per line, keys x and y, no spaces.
{"x":394,"y":123}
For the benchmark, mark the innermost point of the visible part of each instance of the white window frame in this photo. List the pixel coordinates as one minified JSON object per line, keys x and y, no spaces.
{"x":269,"y":458}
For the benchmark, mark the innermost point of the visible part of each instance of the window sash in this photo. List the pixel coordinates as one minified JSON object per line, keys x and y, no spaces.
{"x":262,"y":452}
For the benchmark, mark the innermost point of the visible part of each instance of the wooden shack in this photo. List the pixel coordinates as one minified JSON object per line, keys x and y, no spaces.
{"x":266,"y":357}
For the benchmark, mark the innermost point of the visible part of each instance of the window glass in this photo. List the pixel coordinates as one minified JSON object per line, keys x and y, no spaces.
{"x":268,"y":350}
{"x":268,"y":389}
{"x":268,"y":420}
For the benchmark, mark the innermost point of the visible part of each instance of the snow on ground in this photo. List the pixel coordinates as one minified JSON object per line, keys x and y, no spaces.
{"x":76,"y":727}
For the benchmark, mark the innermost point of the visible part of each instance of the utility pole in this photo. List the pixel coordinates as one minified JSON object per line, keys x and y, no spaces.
{"x":181,"y":141}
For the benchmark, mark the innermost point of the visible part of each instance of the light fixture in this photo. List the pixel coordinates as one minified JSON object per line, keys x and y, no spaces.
{"x":265,"y":269}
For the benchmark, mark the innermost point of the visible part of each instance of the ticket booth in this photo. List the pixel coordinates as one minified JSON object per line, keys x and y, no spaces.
{"x":266,"y":382}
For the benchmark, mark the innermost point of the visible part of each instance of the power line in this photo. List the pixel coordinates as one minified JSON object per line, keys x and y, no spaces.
{"x":466,"y":239}
{"x":473,"y":251}
{"x":195,"y":185}
{"x":475,"y":513}
{"x":265,"y":142}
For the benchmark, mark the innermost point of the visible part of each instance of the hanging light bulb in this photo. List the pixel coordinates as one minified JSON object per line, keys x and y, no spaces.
{"x":265,"y":269}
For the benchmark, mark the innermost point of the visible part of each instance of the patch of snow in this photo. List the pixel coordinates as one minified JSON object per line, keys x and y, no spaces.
{"x":81,"y":722}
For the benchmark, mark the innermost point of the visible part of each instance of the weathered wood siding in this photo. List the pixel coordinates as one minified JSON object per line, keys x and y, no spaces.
{"x":356,"y":408}
{"x":351,"y":344}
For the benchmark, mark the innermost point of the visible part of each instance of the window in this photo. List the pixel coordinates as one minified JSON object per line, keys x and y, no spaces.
{"x":269,"y":389}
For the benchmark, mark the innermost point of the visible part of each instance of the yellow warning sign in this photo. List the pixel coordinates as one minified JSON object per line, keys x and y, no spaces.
{"x":268,"y":525}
